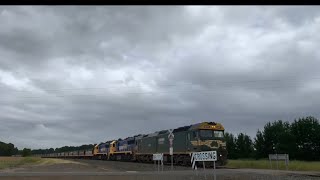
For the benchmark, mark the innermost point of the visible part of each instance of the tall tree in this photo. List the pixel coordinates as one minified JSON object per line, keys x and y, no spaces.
{"x":244,"y":147}
{"x":278,"y":138}
{"x":307,"y":136}
{"x":7,"y":149}
{"x":259,"y":146}
{"x":231,"y":145}
{"x":26,"y":152}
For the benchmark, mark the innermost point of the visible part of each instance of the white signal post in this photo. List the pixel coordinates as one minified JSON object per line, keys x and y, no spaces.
{"x":171,"y":137}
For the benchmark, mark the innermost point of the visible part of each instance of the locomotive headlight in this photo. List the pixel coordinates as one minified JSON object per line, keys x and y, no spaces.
{"x":220,"y":155}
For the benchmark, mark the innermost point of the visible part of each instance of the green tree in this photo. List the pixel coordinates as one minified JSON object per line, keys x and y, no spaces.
{"x":307,"y":136}
{"x":26,"y":152}
{"x":231,"y":145}
{"x":244,"y":146}
{"x":259,"y":146}
{"x":15,"y":151}
{"x":7,"y":149}
{"x":278,"y":138}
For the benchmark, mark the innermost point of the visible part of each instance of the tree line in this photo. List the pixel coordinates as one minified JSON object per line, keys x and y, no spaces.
{"x":8,"y":149}
{"x":300,"y":139}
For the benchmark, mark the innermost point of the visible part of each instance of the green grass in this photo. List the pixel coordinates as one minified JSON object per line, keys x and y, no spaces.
{"x":265,"y":164}
{"x":11,"y":162}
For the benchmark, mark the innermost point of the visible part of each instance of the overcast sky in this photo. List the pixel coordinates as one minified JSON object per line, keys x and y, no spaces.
{"x":80,"y":75}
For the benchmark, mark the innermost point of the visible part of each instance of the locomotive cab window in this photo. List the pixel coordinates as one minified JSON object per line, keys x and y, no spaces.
{"x":218,"y":134}
{"x":206,"y":133}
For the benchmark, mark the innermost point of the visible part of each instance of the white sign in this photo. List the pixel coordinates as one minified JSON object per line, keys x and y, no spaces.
{"x":171,"y":135}
{"x":204,"y":156}
{"x":278,"y":156}
{"x":158,"y":157}
{"x":161,"y":141}
{"x":171,"y":150}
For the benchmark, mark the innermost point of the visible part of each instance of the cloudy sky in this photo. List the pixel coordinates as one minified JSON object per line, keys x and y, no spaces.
{"x":79,"y":75}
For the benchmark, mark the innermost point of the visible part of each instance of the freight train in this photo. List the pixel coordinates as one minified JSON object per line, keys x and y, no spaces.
{"x":205,"y":136}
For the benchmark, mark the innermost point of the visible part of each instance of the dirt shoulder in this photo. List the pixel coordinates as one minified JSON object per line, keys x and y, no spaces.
{"x":95,"y":169}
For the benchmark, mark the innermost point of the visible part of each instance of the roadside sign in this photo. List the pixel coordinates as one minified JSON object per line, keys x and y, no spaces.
{"x":204,"y":156}
{"x":158,"y":157}
{"x":278,"y":157}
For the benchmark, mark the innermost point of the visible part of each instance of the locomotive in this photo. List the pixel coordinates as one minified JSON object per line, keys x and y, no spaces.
{"x":205,"y":136}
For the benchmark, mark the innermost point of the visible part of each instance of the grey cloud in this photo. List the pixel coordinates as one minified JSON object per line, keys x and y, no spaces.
{"x":90,"y":74}
{"x":298,"y":15}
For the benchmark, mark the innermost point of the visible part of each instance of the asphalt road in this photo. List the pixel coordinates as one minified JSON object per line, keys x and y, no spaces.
{"x":95,"y":169}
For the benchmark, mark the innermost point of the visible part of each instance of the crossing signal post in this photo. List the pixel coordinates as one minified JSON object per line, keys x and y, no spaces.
{"x":171,"y":137}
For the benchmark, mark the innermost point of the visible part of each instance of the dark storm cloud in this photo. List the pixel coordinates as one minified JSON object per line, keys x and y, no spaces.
{"x":75,"y":75}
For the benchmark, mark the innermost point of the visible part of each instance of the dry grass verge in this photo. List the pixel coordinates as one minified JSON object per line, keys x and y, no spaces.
{"x":12,"y":162}
{"x":265,"y":164}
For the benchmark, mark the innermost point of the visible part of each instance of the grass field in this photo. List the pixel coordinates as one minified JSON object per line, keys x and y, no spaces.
{"x":265,"y":164}
{"x":12,"y":162}
{"x":9,"y":162}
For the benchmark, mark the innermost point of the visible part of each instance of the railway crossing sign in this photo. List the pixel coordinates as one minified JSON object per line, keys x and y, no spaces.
{"x":204,"y":156}
{"x":171,"y":135}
